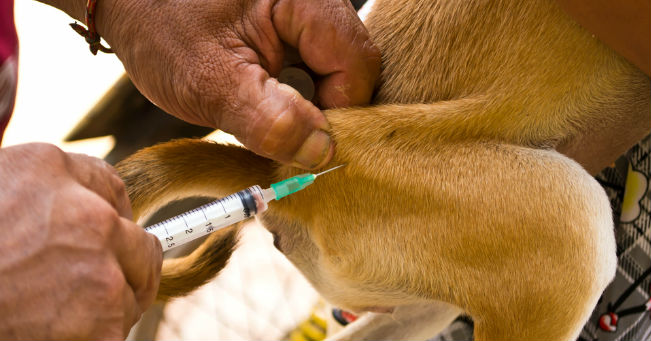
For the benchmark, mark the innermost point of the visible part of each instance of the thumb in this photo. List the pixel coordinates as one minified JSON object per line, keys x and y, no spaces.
{"x":275,"y":121}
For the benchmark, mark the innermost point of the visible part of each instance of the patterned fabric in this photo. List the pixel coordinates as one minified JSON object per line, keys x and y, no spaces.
{"x":8,"y":62}
{"x":623,"y":311}
{"x":312,"y":329}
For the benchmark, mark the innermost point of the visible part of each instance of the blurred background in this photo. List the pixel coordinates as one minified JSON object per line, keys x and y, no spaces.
{"x":259,"y":296}
{"x":59,"y":80}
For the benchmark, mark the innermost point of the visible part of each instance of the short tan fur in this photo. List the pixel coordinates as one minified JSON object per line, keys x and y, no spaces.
{"x":453,"y":191}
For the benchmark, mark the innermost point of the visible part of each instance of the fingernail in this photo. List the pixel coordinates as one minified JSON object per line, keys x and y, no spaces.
{"x":314,"y":150}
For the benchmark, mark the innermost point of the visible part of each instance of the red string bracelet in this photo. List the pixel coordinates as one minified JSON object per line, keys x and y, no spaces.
{"x":92,"y":38}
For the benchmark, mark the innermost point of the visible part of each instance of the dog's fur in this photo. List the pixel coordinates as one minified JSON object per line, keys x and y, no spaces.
{"x":452,"y":195}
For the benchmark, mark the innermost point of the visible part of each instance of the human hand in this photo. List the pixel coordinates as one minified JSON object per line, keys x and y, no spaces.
{"x":625,"y":26}
{"x":212,"y":63}
{"x":72,"y":264}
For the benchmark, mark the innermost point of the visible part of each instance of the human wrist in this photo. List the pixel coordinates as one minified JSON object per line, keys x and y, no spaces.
{"x":105,"y":19}
{"x":102,"y":11}
{"x":108,"y":15}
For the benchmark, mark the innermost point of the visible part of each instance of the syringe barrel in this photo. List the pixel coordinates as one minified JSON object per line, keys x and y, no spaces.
{"x":253,"y":200}
{"x":210,"y":217}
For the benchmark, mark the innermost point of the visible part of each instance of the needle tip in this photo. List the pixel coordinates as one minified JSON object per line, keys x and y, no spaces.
{"x":329,"y":170}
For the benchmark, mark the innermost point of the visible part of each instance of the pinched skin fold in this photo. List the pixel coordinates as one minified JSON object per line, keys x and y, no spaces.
{"x":453,"y":191}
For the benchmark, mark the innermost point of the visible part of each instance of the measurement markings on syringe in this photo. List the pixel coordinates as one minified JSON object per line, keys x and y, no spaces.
{"x":164,"y":227}
{"x":224,"y":208}
{"x":208,"y":224}
{"x":188,"y":226}
{"x":235,"y":207}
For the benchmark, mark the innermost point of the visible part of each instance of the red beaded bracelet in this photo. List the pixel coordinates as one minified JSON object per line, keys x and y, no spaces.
{"x":92,"y":38}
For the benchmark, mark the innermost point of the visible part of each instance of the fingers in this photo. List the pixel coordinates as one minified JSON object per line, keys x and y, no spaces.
{"x":274,"y":120}
{"x":333,"y":42}
{"x":278,"y":123}
{"x":99,"y":177}
{"x":133,"y":310}
{"x":138,"y":252}
{"x":120,"y":312}
{"x":141,"y":257}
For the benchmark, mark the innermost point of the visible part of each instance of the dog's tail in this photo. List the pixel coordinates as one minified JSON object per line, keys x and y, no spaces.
{"x":182,"y":168}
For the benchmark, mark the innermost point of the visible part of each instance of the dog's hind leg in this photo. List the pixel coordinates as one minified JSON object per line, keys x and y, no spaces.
{"x":411,"y":322}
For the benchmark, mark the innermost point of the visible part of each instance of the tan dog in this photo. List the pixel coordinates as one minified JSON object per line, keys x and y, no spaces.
{"x":452,"y":199}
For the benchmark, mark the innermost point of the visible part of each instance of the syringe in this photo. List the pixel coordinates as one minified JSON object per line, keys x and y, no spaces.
{"x":218,"y":214}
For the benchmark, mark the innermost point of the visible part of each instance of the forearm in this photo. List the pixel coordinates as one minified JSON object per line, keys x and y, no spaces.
{"x":625,"y":26}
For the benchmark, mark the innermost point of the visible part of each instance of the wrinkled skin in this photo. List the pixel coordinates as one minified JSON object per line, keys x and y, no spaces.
{"x":212,"y":63}
{"x":72,"y":264}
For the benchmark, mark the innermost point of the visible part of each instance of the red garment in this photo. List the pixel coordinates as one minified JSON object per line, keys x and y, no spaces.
{"x":8,"y":62}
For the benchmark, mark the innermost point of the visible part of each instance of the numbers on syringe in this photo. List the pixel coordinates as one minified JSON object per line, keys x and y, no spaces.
{"x":188,"y":231}
{"x":209,"y":227}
